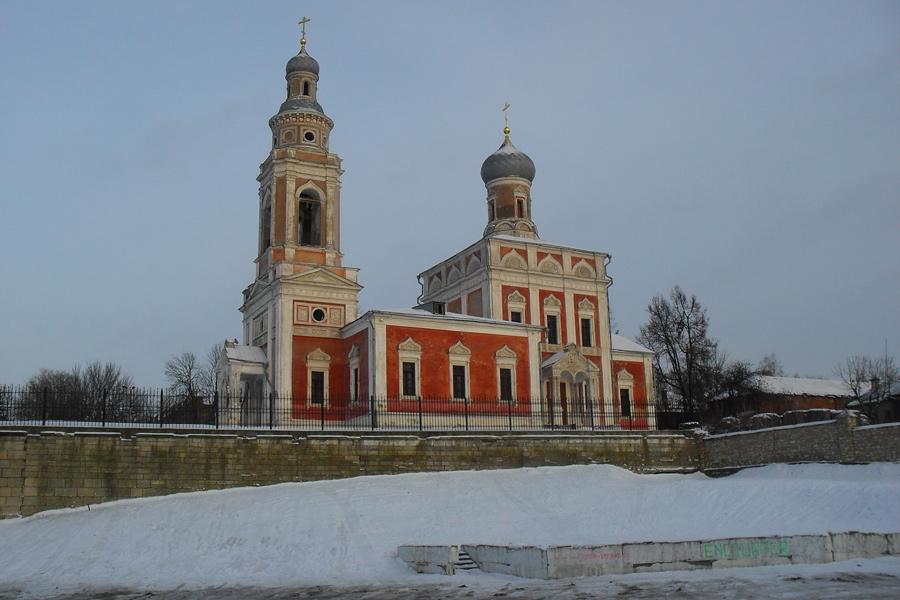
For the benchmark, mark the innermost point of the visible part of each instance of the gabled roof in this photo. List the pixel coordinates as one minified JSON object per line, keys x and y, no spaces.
{"x":624,"y":344}
{"x":802,"y":386}
{"x":250,"y":354}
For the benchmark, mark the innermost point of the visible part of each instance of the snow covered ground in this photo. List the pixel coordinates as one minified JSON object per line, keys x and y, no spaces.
{"x":346,"y":532}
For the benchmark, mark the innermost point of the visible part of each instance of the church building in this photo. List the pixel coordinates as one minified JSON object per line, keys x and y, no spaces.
{"x":509,"y":320}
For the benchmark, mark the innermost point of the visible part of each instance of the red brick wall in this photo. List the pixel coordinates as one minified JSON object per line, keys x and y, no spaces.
{"x":435,"y":361}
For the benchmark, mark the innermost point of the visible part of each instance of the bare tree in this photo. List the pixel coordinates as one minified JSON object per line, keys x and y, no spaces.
{"x":770,"y":365}
{"x":687,"y":362}
{"x":208,"y":370}
{"x":91,"y":393}
{"x":183,"y":373}
{"x":854,"y":372}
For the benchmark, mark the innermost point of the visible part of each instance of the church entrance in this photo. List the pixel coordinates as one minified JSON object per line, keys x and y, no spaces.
{"x":571,"y":385}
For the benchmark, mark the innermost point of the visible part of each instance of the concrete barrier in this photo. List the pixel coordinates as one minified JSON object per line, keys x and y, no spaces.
{"x":521,"y":561}
{"x":855,"y":544}
{"x":558,"y":562}
{"x":430,"y":559}
{"x":583,"y":561}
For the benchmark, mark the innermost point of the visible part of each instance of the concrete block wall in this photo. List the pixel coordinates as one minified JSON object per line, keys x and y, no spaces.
{"x":41,"y":470}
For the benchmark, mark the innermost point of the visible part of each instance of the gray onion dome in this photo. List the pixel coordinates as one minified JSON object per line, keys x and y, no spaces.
{"x":507,"y":161}
{"x":303,"y":62}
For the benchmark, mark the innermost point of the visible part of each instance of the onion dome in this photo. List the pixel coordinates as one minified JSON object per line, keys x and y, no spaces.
{"x":507,"y":161}
{"x":303,"y":63}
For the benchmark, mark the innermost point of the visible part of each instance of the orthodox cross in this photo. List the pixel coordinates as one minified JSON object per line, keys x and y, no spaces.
{"x":302,"y":23}
{"x":506,"y":118}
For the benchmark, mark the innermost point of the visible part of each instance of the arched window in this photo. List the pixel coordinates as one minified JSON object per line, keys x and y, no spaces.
{"x":306,"y":88}
{"x":309,"y":217}
{"x":266,"y":218}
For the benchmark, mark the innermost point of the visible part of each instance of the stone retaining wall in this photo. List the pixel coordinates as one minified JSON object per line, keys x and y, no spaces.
{"x":839,"y":440}
{"x":557,"y":562}
{"x":41,"y":470}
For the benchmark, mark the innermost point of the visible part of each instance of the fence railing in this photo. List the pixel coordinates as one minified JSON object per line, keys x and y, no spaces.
{"x":130,"y":407}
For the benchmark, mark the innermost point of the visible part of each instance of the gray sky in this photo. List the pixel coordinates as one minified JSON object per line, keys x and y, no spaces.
{"x":746,"y":151}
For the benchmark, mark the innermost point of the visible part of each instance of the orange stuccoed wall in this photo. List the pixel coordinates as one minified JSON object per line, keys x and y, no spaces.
{"x":435,"y":361}
{"x":338,"y":375}
{"x":639,"y":401}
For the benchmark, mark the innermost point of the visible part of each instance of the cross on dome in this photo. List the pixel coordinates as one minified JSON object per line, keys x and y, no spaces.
{"x":302,"y":23}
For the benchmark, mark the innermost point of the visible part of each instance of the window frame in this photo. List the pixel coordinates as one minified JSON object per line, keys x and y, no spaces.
{"x":409,"y":351}
{"x":505,"y":359}
{"x":460,"y":356}
{"x":318,"y":361}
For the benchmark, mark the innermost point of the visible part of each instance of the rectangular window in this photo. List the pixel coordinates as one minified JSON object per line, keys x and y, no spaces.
{"x":409,"y":379}
{"x":317,"y":387}
{"x":515,"y":316}
{"x":586,"y":330}
{"x":459,"y":381}
{"x":625,"y":401}
{"x":552,"y":329}
{"x":354,"y":385}
{"x":506,"y":387}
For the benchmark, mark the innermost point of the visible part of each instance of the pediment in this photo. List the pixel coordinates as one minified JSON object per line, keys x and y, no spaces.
{"x":505,"y":352}
{"x":354,"y":352}
{"x":624,"y":375}
{"x":409,"y":345}
{"x":459,"y":349}
{"x":515,"y":298}
{"x":320,"y":276}
{"x":318,"y":355}
{"x":552,"y":301}
{"x":586,"y":305}
{"x":549,"y":265}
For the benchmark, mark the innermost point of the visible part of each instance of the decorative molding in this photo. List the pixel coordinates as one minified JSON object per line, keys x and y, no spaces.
{"x":505,"y":352}
{"x":454,"y":274}
{"x":409,"y":345}
{"x":549,"y":265}
{"x":459,"y":349}
{"x":318,"y":356}
{"x":552,"y":300}
{"x":354,"y":352}
{"x":512,"y":260}
{"x":515,"y":298}
{"x":624,"y":376}
{"x":586,"y":305}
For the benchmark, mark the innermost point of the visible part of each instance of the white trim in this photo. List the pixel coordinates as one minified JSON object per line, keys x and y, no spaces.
{"x":553,"y":307}
{"x":353,"y":359}
{"x":408,"y":351}
{"x":505,"y":358}
{"x":317,"y":360}
{"x":625,"y":381}
{"x":460,"y":356}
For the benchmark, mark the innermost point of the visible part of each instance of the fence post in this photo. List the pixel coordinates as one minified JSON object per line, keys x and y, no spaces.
{"x":509,"y":412}
{"x":161,"y":400}
{"x":44,"y":407}
{"x":271,"y":409}
{"x":322,"y":414}
{"x":420,"y":413}
{"x":372,"y":420}
{"x":591,"y":412}
{"x":466,"y":410}
{"x":216,"y":407}
{"x":103,"y":407}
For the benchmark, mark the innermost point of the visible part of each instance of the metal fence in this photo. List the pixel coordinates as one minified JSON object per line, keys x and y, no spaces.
{"x":144,"y":408}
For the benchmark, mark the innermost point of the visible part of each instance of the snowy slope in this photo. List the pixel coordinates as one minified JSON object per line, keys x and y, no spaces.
{"x":347,"y":531}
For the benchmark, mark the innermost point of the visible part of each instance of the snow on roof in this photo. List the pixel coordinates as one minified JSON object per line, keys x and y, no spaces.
{"x":252,"y":354}
{"x":624,"y":344}
{"x":802,"y":386}
{"x":553,"y":359}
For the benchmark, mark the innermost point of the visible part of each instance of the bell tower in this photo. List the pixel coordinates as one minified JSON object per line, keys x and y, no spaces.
{"x":302,"y":294}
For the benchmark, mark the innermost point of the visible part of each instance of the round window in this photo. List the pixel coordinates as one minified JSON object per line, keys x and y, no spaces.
{"x":309,"y":136}
{"x":318,"y":315}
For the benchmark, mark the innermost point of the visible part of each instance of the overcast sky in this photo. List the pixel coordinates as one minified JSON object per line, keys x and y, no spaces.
{"x":746,"y":151}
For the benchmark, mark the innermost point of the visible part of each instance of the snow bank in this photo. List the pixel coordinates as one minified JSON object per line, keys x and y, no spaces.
{"x":348,"y":531}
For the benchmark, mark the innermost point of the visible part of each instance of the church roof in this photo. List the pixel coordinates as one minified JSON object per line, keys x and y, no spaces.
{"x":250,"y":354}
{"x":507,"y":161}
{"x":302,"y":63}
{"x":624,"y":344}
